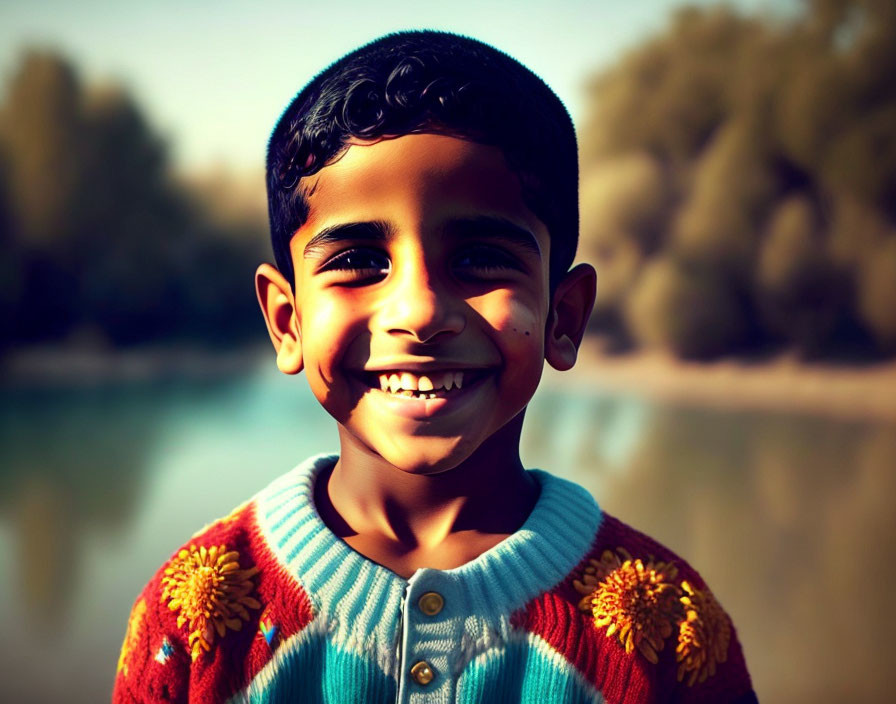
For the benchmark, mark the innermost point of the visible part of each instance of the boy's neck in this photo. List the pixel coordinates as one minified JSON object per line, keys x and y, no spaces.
{"x":407,"y":521}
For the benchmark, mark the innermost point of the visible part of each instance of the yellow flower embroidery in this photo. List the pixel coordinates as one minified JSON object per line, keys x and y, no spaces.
{"x":210,"y":593}
{"x":703,"y":635}
{"x":595,"y":573}
{"x":636,"y":601}
{"x":135,"y":622}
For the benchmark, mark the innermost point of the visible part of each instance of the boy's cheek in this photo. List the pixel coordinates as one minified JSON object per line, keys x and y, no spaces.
{"x":513,"y":318}
{"x":317,"y":310}
{"x":330,"y":331}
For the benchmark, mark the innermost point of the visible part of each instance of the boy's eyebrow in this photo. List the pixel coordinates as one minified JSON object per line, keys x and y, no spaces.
{"x":493,"y":227}
{"x":480,"y":226}
{"x":375,"y":230}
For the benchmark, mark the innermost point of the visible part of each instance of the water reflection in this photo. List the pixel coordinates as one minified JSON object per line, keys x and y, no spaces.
{"x":72,"y":463}
{"x":789,"y":517}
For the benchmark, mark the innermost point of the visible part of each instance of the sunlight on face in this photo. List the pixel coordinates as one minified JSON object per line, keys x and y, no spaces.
{"x":421,"y":297}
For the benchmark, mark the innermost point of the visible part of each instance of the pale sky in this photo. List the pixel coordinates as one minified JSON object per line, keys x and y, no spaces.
{"x":213,"y":77}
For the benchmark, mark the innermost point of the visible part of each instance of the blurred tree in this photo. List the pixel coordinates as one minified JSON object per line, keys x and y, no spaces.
{"x":878,"y":293}
{"x":10,"y":264}
{"x":799,"y":289}
{"x":628,"y":198}
{"x":42,"y":134}
{"x":134,"y":227}
{"x":669,"y":96}
{"x":776,"y":144}
{"x":731,"y":189}
{"x":685,"y":308}
{"x":103,"y":241}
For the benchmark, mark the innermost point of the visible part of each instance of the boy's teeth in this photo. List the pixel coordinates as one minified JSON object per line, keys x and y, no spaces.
{"x":405,"y":382}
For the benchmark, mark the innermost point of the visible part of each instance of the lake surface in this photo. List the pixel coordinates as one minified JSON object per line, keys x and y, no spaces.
{"x":789,"y":518}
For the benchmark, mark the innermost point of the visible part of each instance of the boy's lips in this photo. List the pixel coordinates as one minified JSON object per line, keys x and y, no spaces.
{"x":418,"y":392}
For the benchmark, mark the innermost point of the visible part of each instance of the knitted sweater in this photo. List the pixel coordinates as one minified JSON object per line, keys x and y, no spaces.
{"x":268,"y":605}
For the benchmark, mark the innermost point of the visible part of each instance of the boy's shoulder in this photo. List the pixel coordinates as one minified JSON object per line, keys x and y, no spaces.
{"x":633,"y":615}
{"x":203,"y":623}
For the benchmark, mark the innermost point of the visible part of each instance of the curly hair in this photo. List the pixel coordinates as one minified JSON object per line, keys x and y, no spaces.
{"x":427,"y":81}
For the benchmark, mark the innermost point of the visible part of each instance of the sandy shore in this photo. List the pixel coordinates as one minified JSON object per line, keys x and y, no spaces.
{"x":781,"y":384}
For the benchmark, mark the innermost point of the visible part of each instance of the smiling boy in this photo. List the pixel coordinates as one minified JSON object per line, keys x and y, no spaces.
{"x":423,"y":207}
{"x":420,"y":303}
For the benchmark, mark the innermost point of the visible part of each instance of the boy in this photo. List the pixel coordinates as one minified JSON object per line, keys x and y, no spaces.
{"x":423,"y":206}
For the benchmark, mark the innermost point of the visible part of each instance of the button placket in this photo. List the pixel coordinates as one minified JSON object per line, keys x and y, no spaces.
{"x":431,"y":603}
{"x":431,"y":634}
{"x":422,"y":673}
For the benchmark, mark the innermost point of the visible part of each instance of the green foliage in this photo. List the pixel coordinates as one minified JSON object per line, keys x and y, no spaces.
{"x":43,"y":134}
{"x":101,"y":239}
{"x":622,"y":211}
{"x":731,"y":189}
{"x":670,"y":95}
{"x":799,"y":290}
{"x":684,"y":308}
{"x":878,"y":294}
{"x":776,"y":145}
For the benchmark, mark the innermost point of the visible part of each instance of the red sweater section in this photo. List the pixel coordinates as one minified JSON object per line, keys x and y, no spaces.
{"x":157,"y":663}
{"x":628,"y":677}
{"x":156,"y":660}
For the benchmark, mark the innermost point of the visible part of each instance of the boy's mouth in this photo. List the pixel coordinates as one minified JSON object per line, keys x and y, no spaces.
{"x":436,"y":384}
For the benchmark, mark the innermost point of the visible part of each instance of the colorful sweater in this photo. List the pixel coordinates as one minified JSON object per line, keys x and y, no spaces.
{"x":268,"y":605}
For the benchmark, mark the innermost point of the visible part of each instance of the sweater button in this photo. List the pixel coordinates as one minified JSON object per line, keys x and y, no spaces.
{"x":431,"y":603}
{"x":422,"y":673}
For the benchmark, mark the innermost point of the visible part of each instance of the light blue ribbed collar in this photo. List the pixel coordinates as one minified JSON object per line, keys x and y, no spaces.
{"x":347,"y":589}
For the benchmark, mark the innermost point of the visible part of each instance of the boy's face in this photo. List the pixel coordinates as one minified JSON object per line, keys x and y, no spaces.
{"x":418,"y":267}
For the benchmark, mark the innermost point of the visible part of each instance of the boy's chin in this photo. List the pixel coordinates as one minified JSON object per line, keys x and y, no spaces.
{"x":426,"y":465}
{"x":431,"y":457}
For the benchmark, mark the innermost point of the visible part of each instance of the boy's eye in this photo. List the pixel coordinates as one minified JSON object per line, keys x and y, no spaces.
{"x":359,"y":263}
{"x":484,"y":260}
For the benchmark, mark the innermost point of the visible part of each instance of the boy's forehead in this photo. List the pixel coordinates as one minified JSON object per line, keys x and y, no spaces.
{"x":426,"y":177}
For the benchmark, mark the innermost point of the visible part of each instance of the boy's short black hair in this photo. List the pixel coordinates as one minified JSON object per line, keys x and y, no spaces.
{"x":427,"y":81}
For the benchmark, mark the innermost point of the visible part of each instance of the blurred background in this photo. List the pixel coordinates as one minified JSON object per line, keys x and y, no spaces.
{"x":736,"y":395}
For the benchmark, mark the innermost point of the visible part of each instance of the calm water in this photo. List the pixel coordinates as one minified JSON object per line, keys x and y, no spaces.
{"x":789,"y":518}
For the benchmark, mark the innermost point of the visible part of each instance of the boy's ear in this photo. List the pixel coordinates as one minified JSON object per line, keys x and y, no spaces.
{"x":570,"y":310}
{"x":277,"y":303}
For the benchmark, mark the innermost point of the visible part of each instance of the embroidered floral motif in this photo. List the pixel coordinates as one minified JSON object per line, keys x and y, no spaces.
{"x":703,"y":635}
{"x":595,"y":573}
{"x":131,"y":636}
{"x":640,"y":604}
{"x":166,"y":650}
{"x":210,"y":593}
{"x":636,"y":601}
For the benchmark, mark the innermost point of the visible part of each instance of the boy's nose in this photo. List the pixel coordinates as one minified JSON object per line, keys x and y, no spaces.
{"x":421,"y":310}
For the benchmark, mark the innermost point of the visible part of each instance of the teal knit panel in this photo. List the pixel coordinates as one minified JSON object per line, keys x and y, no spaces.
{"x":524,"y":672}
{"x":314,"y":671}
